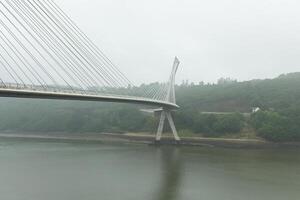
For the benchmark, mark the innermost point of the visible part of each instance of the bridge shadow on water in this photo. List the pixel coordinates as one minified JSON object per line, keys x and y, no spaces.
{"x":171,"y":174}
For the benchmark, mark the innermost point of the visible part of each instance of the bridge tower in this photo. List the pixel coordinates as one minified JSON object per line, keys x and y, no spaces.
{"x":166,"y":113}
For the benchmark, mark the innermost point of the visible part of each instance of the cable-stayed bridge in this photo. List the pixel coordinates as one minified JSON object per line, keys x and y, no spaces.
{"x":45,"y":55}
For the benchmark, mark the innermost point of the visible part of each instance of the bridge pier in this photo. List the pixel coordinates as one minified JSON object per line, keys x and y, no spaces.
{"x":166,"y":114}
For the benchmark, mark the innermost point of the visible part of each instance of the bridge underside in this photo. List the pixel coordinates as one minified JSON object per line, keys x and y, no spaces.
{"x":17,"y":93}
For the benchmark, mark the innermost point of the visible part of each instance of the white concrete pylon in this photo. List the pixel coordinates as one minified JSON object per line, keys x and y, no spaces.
{"x":166,"y":114}
{"x":171,"y":89}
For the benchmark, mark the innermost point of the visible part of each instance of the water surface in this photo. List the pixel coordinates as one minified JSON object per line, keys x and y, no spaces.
{"x":31,"y":170}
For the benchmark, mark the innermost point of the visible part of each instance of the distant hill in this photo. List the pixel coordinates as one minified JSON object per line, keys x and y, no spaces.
{"x":278,"y":93}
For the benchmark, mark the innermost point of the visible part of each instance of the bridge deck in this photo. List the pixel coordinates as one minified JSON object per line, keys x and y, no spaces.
{"x":26,"y":93}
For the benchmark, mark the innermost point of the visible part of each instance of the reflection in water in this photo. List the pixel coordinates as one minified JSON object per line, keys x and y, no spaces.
{"x":33,"y":170}
{"x":171,"y":174}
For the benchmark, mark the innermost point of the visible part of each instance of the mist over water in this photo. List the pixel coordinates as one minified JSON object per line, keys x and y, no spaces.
{"x":76,"y":171}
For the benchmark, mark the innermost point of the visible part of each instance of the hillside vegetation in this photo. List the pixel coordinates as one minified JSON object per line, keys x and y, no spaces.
{"x":278,"y":120}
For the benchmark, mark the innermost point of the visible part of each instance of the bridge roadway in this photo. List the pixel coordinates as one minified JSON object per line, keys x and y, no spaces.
{"x":67,"y":95}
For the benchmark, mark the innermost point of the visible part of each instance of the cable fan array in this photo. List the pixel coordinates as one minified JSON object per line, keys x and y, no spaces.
{"x":41,"y":48}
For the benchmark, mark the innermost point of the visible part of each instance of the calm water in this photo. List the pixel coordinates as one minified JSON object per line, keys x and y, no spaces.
{"x":66,"y":171}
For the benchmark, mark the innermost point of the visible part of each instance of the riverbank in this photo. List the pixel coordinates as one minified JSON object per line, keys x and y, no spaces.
{"x":146,"y":139}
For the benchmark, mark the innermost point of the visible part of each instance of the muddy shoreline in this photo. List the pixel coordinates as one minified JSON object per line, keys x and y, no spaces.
{"x":146,"y":139}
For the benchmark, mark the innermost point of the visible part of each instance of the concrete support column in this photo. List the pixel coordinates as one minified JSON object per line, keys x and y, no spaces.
{"x":166,"y":114}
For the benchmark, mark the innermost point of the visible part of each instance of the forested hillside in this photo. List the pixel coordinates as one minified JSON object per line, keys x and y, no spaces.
{"x":279,"y":93}
{"x":279,"y":120}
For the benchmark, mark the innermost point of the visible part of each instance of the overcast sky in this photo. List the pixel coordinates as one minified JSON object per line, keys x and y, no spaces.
{"x":242,"y":39}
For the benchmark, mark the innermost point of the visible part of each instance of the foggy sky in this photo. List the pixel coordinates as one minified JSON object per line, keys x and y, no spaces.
{"x":212,"y":38}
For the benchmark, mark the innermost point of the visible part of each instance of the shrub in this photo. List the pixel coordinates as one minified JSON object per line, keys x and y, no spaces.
{"x":274,"y":126}
{"x":232,"y":123}
{"x":217,"y":125}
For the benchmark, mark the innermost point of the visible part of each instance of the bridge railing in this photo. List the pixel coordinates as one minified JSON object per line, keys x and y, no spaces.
{"x":28,"y":87}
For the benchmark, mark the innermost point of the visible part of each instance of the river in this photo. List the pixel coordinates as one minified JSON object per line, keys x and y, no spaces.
{"x":35,"y":170}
